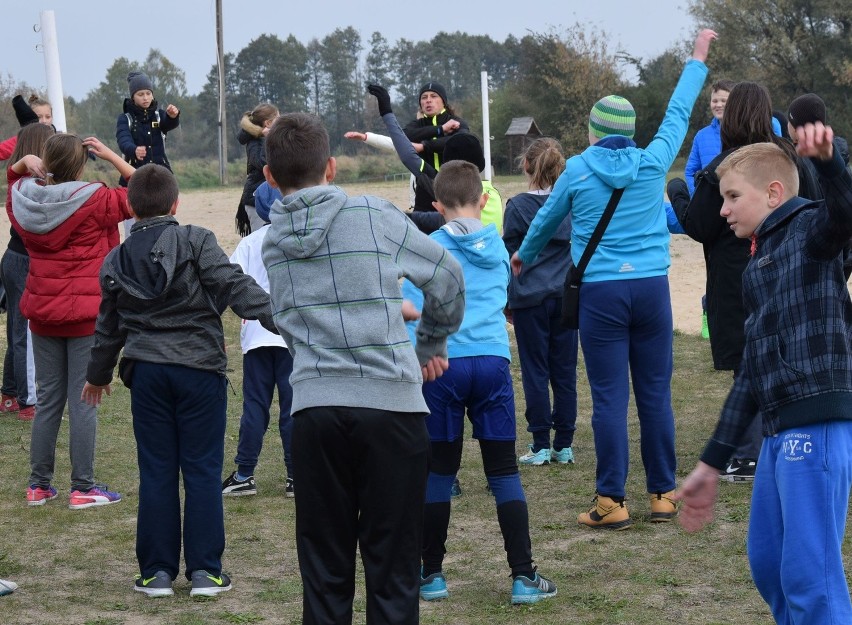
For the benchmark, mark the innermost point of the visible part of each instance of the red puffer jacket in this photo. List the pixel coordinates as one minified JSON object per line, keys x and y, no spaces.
{"x":68,"y":229}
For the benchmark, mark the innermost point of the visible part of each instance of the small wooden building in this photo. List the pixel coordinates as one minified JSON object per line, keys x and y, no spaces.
{"x":522,"y":131}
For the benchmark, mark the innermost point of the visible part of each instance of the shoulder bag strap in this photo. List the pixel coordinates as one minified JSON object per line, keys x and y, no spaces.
{"x":597,"y":235}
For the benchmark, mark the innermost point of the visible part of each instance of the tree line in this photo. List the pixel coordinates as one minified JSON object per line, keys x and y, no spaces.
{"x":554,"y":76}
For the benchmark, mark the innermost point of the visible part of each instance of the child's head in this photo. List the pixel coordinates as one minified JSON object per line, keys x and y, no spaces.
{"x":748,"y":116}
{"x":263,"y":114}
{"x":298,"y":153}
{"x":806,"y":109}
{"x":755,"y":180}
{"x":152,"y":191}
{"x":64,"y":158}
{"x":141,"y":89}
{"x":31,"y":140}
{"x":432,"y":98}
{"x":719,"y":92}
{"x":543,"y":162}
{"x":611,"y":115}
{"x":464,"y":147}
{"x":42,"y":108}
{"x":458,"y":186}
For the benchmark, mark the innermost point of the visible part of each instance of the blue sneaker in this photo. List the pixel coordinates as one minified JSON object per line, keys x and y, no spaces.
{"x":455,"y":491}
{"x":536,"y":458}
{"x":433,"y":587}
{"x":526,"y":590}
{"x":562,"y":456}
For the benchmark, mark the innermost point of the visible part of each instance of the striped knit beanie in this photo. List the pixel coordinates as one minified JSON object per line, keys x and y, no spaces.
{"x":612,"y":115}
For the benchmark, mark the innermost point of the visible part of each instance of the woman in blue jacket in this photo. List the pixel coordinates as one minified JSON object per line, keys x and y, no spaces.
{"x":625,"y":307}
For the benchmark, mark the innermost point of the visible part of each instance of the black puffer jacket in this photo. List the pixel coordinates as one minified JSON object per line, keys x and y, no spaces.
{"x":251,"y":136}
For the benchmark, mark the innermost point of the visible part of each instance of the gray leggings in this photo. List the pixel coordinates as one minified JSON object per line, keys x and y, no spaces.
{"x":60,"y":374}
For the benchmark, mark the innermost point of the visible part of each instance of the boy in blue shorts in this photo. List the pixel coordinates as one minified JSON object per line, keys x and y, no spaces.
{"x":797,"y":372}
{"x":163,"y":294}
{"x":479,"y":383}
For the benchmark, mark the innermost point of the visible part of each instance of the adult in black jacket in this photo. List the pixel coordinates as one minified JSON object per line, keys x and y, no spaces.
{"x":429,"y":134}
{"x":254,"y":126}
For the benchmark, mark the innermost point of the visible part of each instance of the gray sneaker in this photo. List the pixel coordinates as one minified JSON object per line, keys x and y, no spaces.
{"x":160,"y":585}
{"x":206,"y":585}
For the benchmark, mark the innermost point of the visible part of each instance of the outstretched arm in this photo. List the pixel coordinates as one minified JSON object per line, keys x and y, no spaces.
{"x":103,"y":152}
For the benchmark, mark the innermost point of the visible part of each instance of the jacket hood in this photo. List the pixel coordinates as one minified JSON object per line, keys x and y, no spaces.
{"x":301,"y":219}
{"x":40,"y":208}
{"x":131,"y":107}
{"x":248,"y":130}
{"x":614,"y":159}
{"x":476,"y":243}
{"x":134,"y":263}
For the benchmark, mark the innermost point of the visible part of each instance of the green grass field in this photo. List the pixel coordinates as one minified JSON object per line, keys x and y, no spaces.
{"x":77,"y":567}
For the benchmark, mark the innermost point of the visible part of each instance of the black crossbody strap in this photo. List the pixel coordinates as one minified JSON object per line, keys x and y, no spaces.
{"x":597,"y":235}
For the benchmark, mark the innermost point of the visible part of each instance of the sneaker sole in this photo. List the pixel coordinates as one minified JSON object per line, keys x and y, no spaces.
{"x":562,"y":461}
{"x":662,"y":517}
{"x":522,"y":599}
{"x":290,"y":495}
{"x":91,"y":504}
{"x":239,"y":493}
{"x":533,"y":463}
{"x":41,"y":502}
{"x":736,"y":479}
{"x":620,"y":525}
{"x":155,"y":592}
{"x":209,"y":592}
{"x":434,"y":595}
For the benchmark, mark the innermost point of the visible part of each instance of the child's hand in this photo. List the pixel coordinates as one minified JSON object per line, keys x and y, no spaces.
{"x":517,"y":264}
{"x":697,"y":496}
{"x":702,"y":44}
{"x":97,"y":148}
{"x":172,"y":111}
{"x":355,"y":136}
{"x":141,"y":152}
{"x":92,"y":393}
{"x":409,"y":311}
{"x":815,"y":140}
{"x":34,"y":165}
{"x":435,"y":368}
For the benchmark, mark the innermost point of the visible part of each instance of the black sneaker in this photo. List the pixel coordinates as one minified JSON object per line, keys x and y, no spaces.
{"x":206,"y":585}
{"x":740,"y":470}
{"x":288,"y":488}
{"x":232,"y":487}
{"x":456,"y":491}
{"x":160,"y":585}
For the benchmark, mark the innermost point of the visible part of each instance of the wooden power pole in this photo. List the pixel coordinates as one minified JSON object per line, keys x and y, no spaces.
{"x":223,"y":138}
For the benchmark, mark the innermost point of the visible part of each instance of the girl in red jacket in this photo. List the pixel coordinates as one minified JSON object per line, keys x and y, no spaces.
{"x":68,"y":227}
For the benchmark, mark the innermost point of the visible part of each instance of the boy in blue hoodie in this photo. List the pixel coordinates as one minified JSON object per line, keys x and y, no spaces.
{"x":479,"y":383}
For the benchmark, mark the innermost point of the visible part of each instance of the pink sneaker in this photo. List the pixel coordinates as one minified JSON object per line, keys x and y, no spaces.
{"x":27,"y":413}
{"x":94,"y":497}
{"x":8,"y":403}
{"x":38,"y":496}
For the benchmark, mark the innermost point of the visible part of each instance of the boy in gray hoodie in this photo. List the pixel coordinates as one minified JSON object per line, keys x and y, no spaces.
{"x":359,"y":438}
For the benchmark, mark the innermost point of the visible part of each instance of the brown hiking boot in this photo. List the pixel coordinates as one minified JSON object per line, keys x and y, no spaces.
{"x":606,"y":514}
{"x":663,"y":507}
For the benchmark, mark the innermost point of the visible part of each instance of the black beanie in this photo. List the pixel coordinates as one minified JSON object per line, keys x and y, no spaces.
{"x":436,"y":87}
{"x":23,"y":111}
{"x":806,"y":109}
{"x":138,"y":81}
{"x":464,"y":147}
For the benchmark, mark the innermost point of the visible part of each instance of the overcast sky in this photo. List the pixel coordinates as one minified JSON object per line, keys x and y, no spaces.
{"x":92,"y":33}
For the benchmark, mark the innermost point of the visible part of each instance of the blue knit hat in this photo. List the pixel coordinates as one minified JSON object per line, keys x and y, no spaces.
{"x":264,"y":198}
{"x":612,"y":115}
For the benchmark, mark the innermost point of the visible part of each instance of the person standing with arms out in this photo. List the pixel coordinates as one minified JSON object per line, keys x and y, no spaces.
{"x":547,"y":350}
{"x":68,"y":227}
{"x":254,"y":126}
{"x":429,"y":134}
{"x":625,"y":309}
{"x":796,"y":373}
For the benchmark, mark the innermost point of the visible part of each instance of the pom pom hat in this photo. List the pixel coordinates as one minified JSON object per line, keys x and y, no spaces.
{"x":612,"y":115}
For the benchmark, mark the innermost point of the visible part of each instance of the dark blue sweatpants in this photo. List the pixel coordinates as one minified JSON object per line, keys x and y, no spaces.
{"x":264,"y":369}
{"x":179,"y":423}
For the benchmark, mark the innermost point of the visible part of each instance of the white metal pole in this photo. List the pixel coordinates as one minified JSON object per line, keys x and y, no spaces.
{"x":50,"y":47}
{"x":486,"y":126}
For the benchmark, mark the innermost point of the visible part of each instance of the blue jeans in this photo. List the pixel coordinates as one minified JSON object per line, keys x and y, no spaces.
{"x":548,"y":355}
{"x":18,"y":364}
{"x":264,"y":369}
{"x":799,"y":505}
{"x":626,"y":331}
{"x":179,"y":423}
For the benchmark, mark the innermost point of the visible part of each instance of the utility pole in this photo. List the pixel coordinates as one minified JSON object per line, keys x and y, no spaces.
{"x":50,"y":47}
{"x":223,"y":139}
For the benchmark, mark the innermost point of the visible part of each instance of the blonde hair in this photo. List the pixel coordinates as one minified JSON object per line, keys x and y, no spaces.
{"x":35,"y":100}
{"x":543,"y":161}
{"x":64,"y":158}
{"x":760,"y":164}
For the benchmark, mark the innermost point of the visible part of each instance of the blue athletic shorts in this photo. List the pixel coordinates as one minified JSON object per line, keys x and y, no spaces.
{"x":481,"y":385}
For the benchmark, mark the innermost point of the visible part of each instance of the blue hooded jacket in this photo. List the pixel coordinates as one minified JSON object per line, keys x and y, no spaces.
{"x":636,"y":243}
{"x":485,"y":264}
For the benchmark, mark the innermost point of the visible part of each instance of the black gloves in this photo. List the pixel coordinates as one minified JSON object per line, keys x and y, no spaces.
{"x":23,"y":111}
{"x":382,"y":97}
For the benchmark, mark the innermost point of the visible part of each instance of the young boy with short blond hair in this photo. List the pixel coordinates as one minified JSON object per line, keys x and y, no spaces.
{"x":797,"y":372}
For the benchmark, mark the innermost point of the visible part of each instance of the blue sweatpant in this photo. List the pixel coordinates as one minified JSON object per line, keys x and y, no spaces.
{"x":626,"y":332}
{"x":179,"y":423}
{"x":548,"y":355}
{"x":798,"y":519}
{"x":264,"y":369}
